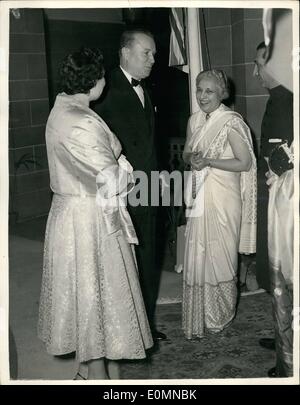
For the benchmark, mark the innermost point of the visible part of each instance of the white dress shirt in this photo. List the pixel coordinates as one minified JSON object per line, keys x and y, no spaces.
{"x":138,"y":89}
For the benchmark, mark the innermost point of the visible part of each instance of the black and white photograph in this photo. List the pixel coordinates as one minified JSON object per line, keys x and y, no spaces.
{"x":149,"y":192}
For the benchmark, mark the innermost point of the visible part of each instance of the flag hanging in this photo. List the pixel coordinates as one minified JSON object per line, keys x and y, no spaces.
{"x":195,"y":58}
{"x":186,"y":49}
{"x":177,"y":54}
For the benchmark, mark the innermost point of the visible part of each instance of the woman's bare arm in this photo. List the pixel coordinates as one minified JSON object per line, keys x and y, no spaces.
{"x":240,"y":163}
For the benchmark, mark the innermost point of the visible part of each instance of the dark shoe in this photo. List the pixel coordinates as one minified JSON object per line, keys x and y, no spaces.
{"x":158,"y":335}
{"x":267,"y":343}
{"x":272,"y":373}
{"x":78,"y":376}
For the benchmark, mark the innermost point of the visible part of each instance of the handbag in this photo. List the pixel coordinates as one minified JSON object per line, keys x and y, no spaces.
{"x":281,"y":158}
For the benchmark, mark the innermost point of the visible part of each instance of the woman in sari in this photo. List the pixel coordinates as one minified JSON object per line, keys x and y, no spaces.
{"x":221,"y":207}
{"x":91,"y":302}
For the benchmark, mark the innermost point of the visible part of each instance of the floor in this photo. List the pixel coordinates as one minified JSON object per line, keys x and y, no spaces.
{"x":28,"y":358}
{"x":233,"y":353}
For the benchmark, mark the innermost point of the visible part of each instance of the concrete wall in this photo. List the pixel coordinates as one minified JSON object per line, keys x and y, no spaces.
{"x":39,"y":40}
{"x":251,"y":98}
{"x":104,"y":15}
{"x":66,"y":36}
{"x":28,"y":112}
{"x":232,"y":36}
{"x":219,"y":39}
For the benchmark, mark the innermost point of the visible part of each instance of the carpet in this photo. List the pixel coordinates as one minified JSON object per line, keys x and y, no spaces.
{"x":233,"y":353}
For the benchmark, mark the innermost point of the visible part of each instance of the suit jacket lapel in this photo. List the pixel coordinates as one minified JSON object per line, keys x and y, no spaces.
{"x":126,"y":87}
{"x":149,"y":109}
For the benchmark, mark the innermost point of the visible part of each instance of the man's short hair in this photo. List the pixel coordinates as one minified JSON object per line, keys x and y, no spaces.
{"x":128,"y":37}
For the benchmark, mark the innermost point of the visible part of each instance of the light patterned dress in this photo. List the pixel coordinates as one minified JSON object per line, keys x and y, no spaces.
{"x":91,"y":300}
{"x":221,"y":221}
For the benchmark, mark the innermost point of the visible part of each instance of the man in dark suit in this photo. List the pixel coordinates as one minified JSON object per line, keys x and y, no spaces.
{"x":128,"y":111}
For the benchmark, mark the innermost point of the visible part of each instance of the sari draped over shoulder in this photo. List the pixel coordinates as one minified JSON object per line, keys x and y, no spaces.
{"x":221,"y":223}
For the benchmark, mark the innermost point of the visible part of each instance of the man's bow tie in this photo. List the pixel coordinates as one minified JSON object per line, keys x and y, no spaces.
{"x":135,"y":82}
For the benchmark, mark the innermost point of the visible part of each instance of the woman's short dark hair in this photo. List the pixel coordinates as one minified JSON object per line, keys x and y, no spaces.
{"x":81,"y":70}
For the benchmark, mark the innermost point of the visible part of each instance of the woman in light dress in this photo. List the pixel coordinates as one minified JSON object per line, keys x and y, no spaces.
{"x":221,"y":207}
{"x":91,"y":301}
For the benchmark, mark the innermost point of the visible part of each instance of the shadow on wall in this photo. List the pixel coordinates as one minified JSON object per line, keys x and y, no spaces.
{"x":13,"y":357}
{"x":65,"y":36}
{"x":254,"y":139}
{"x":230,"y":102}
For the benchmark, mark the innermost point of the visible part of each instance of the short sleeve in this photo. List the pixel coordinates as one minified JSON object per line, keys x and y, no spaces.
{"x":238,"y":127}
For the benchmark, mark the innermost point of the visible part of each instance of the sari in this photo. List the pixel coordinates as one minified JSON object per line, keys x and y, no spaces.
{"x":221,"y":222}
{"x":281,"y":254}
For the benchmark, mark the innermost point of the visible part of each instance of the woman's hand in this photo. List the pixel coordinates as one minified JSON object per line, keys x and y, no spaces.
{"x":198,"y":162}
{"x":196,"y":158}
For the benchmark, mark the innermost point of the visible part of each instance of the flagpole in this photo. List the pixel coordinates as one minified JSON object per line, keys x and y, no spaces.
{"x":193,"y":50}
{"x":195,"y":61}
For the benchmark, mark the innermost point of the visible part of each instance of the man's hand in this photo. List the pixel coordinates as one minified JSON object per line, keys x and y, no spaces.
{"x":271,"y":177}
